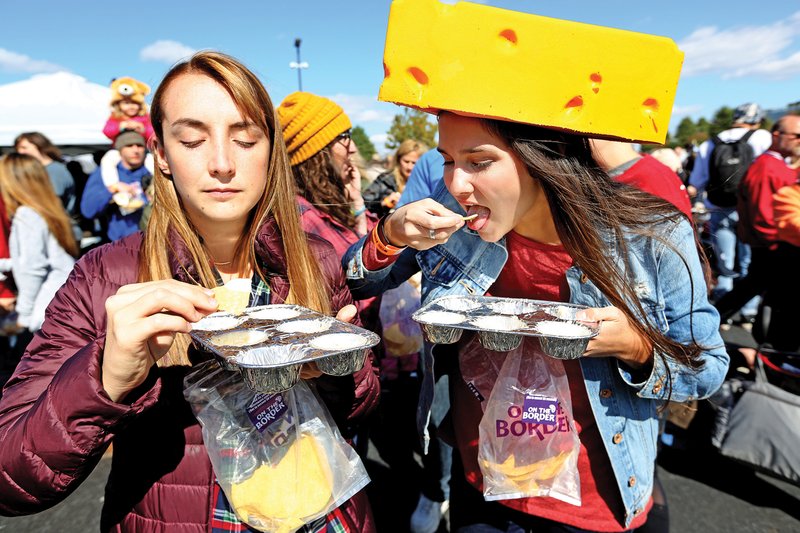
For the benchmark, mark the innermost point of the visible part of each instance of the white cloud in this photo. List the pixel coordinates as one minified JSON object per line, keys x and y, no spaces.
{"x":362,"y":109}
{"x":165,"y":52}
{"x":379,"y":139}
{"x":744,"y":51}
{"x":683,"y":110}
{"x":14,"y":62}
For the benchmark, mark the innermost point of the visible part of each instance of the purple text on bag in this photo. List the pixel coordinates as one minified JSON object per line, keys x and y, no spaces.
{"x":265,"y":409}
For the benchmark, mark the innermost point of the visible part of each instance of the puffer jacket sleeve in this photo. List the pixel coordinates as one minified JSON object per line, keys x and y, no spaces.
{"x":55,"y":419}
{"x":348,"y":398}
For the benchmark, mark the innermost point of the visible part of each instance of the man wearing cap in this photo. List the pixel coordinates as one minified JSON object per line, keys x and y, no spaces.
{"x":119,"y":205}
{"x":722,"y":225}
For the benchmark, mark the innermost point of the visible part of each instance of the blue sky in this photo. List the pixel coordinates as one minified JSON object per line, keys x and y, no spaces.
{"x":736,"y":51}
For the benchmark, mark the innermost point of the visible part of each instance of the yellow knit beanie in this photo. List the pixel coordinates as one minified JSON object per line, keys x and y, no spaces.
{"x":309,"y":123}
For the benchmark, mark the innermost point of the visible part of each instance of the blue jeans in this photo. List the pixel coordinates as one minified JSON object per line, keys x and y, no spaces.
{"x":729,"y":252}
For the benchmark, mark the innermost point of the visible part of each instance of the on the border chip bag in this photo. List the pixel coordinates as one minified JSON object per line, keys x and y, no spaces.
{"x":279,"y":458}
{"x":528,"y":445}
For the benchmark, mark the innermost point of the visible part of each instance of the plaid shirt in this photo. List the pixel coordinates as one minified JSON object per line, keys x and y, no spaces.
{"x":224,"y":520}
{"x":323,"y":225}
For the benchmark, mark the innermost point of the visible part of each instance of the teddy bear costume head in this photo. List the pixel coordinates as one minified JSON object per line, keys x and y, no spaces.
{"x":129,"y":89}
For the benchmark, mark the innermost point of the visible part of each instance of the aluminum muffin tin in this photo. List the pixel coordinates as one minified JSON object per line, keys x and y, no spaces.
{"x":501,"y":323}
{"x":269,"y":344}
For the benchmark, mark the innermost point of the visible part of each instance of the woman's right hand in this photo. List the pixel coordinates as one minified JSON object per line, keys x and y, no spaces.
{"x":143,"y":319}
{"x":421,"y":225}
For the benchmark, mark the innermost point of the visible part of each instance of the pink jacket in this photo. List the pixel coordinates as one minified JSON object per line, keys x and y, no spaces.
{"x":56,"y":421}
{"x":111,"y":129}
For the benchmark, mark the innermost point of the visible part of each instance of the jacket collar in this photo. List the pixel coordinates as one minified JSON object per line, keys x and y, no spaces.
{"x":269,"y":251}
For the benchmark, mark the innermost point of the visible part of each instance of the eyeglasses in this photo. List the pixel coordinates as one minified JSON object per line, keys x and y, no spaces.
{"x":795,"y":136}
{"x":344,"y":137}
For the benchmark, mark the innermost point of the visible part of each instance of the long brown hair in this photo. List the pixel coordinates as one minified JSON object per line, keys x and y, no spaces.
{"x":588,"y":207}
{"x":278,"y":201}
{"x":319,"y":182}
{"x":42,"y":143}
{"x":24,"y":181}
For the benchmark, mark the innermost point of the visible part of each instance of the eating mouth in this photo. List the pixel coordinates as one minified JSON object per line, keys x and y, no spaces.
{"x":480,"y":216}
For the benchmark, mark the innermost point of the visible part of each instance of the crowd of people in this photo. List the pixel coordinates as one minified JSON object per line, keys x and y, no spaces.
{"x":214,"y":182}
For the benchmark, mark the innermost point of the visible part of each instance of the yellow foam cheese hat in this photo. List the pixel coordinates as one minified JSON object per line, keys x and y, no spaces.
{"x":485,"y":61}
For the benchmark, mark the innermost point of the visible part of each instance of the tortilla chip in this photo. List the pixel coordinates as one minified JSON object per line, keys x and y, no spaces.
{"x":284,"y":496}
{"x":232,"y":301}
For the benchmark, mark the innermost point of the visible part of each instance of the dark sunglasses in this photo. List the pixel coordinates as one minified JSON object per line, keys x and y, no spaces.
{"x":794,"y":136}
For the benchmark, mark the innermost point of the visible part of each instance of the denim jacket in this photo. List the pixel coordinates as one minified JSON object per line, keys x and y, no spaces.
{"x":669,"y":283}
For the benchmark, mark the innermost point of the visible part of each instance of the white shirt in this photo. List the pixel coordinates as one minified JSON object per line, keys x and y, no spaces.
{"x":760,"y":140}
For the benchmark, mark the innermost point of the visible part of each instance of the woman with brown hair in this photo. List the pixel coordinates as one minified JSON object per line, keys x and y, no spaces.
{"x":111,"y":357}
{"x":37,"y":145}
{"x":547,"y":223}
{"x":382,"y":194}
{"x":41,"y":243}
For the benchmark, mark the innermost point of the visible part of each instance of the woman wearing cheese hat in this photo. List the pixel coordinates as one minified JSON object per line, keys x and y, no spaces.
{"x":566,"y":234}
{"x":547,"y":224}
{"x":109,"y":362}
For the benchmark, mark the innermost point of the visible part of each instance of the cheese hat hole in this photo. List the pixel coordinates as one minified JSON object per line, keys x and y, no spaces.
{"x":651,"y":104}
{"x":385,"y":70}
{"x":419,"y":75}
{"x":596,"y":79}
{"x":577,"y":101}
{"x":509,"y":35}
{"x":655,"y":126}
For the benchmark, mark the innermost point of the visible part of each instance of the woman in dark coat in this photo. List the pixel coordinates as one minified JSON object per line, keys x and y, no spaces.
{"x":109,"y":362}
{"x":382,"y":194}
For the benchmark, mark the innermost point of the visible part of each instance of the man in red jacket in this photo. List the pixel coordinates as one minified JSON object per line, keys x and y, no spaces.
{"x":756,"y":218}
{"x":623,"y":164}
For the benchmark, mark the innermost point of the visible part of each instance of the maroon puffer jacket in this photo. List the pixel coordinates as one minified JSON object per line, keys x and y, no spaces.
{"x":56,"y":421}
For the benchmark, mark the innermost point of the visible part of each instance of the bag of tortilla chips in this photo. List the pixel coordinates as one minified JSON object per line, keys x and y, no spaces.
{"x":279,"y":458}
{"x":528,"y":445}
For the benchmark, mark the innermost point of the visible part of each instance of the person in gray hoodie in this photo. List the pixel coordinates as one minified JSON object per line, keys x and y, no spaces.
{"x":41,"y":244}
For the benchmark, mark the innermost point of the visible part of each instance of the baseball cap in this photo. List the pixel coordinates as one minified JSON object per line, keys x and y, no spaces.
{"x":748,"y":114}
{"x":127,"y":138}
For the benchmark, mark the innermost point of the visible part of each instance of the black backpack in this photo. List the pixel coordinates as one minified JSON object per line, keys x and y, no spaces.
{"x":727,"y":166}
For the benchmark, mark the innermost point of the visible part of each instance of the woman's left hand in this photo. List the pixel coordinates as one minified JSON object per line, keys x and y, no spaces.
{"x":351,"y":177}
{"x":617,"y":338}
{"x":345,"y":314}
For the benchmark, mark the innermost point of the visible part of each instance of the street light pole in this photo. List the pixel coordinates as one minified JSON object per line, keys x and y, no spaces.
{"x":299,"y":65}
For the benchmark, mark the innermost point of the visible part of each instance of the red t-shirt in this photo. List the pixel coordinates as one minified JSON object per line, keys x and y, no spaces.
{"x":651,"y":175}
{"x":538,"y":271}
{"x":768,"y":173}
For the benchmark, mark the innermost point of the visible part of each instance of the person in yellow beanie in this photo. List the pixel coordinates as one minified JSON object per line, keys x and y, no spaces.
{"x":316,"y":131}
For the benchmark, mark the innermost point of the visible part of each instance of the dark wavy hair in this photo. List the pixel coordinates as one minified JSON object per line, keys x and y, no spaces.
{"x":588,"y":209}
{"x":319,"y":182}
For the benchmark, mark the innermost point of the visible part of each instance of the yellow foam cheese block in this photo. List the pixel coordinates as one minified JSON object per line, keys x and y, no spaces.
{"x":284,"y":496}
{"x":485,"y":61}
